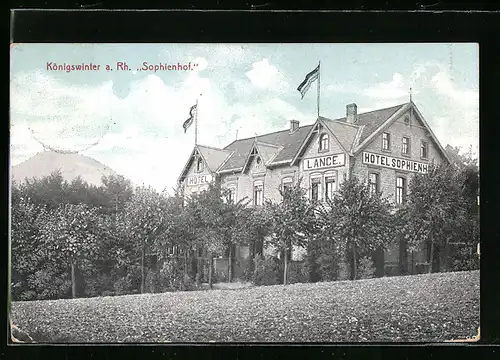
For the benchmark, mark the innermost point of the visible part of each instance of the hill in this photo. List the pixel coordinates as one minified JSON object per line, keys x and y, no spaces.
{"x":70,"y":165}
{"x":419,"y":308}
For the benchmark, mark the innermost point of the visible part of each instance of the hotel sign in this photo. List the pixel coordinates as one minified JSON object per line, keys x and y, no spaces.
{"x":322,"y":162}
{"x":199,"y":180}
{"x":394,"y":163}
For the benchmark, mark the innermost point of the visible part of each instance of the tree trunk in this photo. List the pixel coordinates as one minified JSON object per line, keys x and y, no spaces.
{"x":210,"y":266}
{"x":142,"y":270}
{"x":230,"y":264}
{"x":73,"y":281}
{"x":354,"y":262}
{"x":185,"y":262}
{"x":285,"y":267}
{"x":431,"y":255}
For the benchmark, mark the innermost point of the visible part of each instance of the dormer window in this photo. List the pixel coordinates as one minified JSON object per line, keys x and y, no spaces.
{"x":258,"y":160}
{"x":323,"y":142}
{"x":199,"y":165}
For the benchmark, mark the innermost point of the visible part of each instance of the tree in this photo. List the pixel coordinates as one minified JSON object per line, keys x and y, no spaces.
{"x":145,"y":219}
{"x":292,"y":222}
{"x":117,"y":190}
{"x":434,"y":209}
{"x":216,"y":220}
{"x":69,"y":234}
{"x":360,"y":221}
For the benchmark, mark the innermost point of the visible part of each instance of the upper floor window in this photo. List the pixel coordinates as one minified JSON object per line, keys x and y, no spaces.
{"x":400,"y":190}
{"x":386,"y":141}
{"x":424,"y":149}
{"x":374,"y":183}
{"x":405,"y":146}
{"x":199,"y":165}
{"x":316,"y":188}
{"x":323,"y":142}
{"x":330,"y":186}
{"x":258,"y":193}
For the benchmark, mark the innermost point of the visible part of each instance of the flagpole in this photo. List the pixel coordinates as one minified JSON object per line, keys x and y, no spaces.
{"x":196,"y":124}
{"x":319,"y":76}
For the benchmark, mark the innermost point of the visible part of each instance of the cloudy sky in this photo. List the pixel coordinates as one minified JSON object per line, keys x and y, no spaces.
{"x":242,"y":89}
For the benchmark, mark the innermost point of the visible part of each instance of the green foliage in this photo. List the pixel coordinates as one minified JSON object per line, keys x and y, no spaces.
{"x":327,"y":268}
{"x":297,"y":272}
{"x":355,"y":221}
{"x":366,"y":268}
{"x":266,"y":271}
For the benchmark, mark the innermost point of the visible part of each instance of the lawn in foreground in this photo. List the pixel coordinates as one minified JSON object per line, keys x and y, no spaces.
{"x":433,"y":307}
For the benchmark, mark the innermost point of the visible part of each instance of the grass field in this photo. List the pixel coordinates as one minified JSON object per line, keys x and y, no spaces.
{"x":420,"y":308}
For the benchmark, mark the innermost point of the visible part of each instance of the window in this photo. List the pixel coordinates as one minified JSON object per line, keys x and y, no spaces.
{"x":287,"y":183}
{"x":405,"y":146}
{"x":373,"y":183}
{"x":330,"y":186}
{"x":315,"y":188}
{"x":400,"y":190}
{"x":258,"y":193}
{"x":424,"y":150}
{"x":199,"y":165}
{"x":231,"y":195}
{"x":323,"y":142}
{"x":386,"y":141}
{"x":258,"y":160}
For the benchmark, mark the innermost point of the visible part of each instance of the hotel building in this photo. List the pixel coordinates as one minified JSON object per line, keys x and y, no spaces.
{"x":384,"y":147}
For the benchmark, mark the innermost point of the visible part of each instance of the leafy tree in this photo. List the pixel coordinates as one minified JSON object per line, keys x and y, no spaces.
{"x":292,"y":222}
{"x":146,"y":217}
{"x":358,"y":220}
{"x":117,"y":190}
{"x":49,"y":191}
{"x":69,"y":235}
{"x":433,"y":210}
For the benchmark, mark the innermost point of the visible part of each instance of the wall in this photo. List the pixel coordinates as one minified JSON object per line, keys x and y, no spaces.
{"x":312,"y":151}
{"x":416,"y":132}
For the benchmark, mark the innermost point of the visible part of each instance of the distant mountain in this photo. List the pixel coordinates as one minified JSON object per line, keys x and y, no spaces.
{"x":70,"y":165}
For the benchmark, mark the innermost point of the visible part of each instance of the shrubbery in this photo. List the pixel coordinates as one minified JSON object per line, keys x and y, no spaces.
{"x":297,"y":272}
{"x":266,"y":271}
{"x":366,"y":268}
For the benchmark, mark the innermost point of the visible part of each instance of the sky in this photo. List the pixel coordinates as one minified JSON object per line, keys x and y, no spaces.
{"x":135,"y":116}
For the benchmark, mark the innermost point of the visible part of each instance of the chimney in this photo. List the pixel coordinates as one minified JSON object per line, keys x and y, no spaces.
{"x":294,"y":125}
{"x":351,"y":113}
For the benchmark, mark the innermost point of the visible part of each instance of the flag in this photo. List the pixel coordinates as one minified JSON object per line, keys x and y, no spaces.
{"x":189,"y":121}
{"x":304,"y":85}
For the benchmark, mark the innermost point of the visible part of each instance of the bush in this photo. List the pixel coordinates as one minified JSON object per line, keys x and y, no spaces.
{"x":266,"y":271}
{"x":326,"y":267}
{"x":366,"y":268}
{"x":297,"y":272}
{"x":343,"y":271}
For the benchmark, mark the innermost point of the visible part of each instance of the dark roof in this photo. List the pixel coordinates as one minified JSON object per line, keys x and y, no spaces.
{"x":290,"y":143}
{"x":213,"y":156}
{"x":374,"y":119}
{"x":344,"y":132}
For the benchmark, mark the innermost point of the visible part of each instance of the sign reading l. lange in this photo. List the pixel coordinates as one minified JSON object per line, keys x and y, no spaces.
{"x":394,"y":163}
{"x":199,"y":180}
{"x":324,"y":162}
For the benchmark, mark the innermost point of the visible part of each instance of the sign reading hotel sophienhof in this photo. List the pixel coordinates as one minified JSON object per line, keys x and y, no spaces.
{"x":199,"y":180}
{"x":322,"y":162}
{"x":394,"y":163}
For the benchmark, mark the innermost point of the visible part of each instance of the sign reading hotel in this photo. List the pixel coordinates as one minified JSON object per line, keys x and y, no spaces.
{"x":394,"y":163}
{"x":199,"y":180}
{"x":324,"y":162}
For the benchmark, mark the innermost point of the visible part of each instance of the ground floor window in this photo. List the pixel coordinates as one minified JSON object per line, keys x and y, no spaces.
{"x":374,"y":182}
{"x":330,"y":186}
{"x":400,"y":190}
{"x":316,"y":188}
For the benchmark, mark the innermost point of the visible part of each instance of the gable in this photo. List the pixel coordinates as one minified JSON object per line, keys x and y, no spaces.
{"x":412,"y":127}
{"x":311,"y":144}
